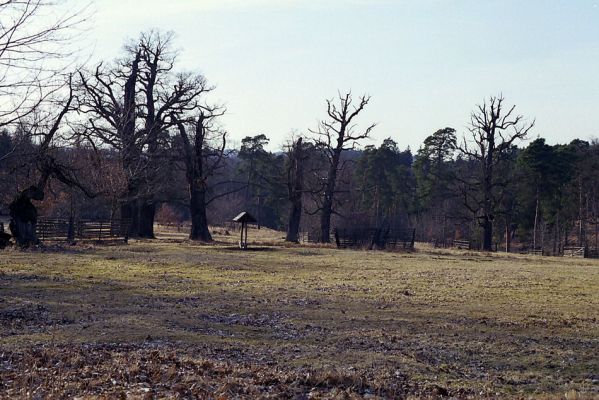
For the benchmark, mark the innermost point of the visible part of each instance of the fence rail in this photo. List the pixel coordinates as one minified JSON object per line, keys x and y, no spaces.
{"x":574,"y":252}
{"x":53,"y":229}
{"x":312,"y":237}
{"x":462,"y":244}
{"x":375,"y":237}
{"x":85,"y":229}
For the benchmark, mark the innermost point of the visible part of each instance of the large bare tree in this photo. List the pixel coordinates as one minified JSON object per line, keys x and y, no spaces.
{"x":202,"y":148}
{"x":129,"y":107}
{"x":44,"y":128}
{"x":494,"y":128}
{"x":36,"y":47}
{"x":204,"y":151}
{"x":335,"y":135}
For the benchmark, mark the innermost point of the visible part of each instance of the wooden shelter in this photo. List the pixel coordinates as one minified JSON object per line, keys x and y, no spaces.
{"x":244,"y":218}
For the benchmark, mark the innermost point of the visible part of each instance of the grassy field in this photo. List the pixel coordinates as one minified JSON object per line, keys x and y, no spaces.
{"x":168,"y":318}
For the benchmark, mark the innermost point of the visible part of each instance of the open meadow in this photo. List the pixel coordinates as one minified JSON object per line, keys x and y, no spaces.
{"x":171,"y":318}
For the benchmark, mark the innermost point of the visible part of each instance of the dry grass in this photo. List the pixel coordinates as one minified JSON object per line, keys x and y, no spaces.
{"x":429,"y":323}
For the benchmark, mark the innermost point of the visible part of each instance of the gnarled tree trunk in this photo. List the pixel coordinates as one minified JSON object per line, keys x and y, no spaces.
{"x":147,"y":212}
{"x":197,"y":208}
{"x":23,"y":216}
{"x":196,"y":172}
{"x":508,"y":234}
{"x":130,"y":209}
{"x":295,"y":216}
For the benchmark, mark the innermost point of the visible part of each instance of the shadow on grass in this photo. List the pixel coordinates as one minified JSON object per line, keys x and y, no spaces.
{"x":249,"y":249}
{"x":264,"y":322}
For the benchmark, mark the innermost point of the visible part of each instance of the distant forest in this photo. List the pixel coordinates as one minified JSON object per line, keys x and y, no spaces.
{"x":135,"y":138}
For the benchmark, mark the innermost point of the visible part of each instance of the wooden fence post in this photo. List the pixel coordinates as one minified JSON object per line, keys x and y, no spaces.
{"x":71,"y":230}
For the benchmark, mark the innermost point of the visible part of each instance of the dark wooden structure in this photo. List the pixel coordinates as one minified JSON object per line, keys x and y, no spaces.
{"x":461,"y":244}
{"x":371,"y":238}
{"x":577,"y":251}
{"x":244,"y":218}
{"x":100,"y":230}
{"x":313,"y":236}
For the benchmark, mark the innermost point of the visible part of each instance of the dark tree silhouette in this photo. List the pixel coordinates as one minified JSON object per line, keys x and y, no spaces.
{"x":112,"y":121}
{"x":495,"y":129}
{"x":334,"y":136}
{"x":295,"y":188}
{"x":129,"y":107}
{"x":23,"y":212}
{"x":203,"y":153}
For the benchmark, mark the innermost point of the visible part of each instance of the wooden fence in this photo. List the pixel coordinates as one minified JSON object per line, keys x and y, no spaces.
{"x":54,"y":229}
{"x":536,"y":252}
{"x":57,"y":229}
{"x":575,"y":252}
{"x":312,"y":237}
{"x":461,"y":244}
{"x":375,"y":238}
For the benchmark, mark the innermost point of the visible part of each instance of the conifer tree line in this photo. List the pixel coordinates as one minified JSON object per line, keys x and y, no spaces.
{"x":139,"y":138}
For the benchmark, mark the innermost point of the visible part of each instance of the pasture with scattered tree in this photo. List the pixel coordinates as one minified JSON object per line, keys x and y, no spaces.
{"x":184,"y":319}
{"x":465,"y":269}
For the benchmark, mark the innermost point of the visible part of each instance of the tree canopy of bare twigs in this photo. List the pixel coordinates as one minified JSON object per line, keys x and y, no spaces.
{"x":36,"y":46}
{"x":45,"y":127}
{"x":495,"y":129}
{"x":129,"y":106}
{"x":335,"y":135}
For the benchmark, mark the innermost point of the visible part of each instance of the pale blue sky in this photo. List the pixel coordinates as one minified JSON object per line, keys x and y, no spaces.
{"x":425,"y":63}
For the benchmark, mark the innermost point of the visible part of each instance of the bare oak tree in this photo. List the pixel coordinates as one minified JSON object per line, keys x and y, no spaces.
{"x":44,"y":129}
{"x":129,"y":107}
{"x":203,"y":144}
{"x":334,"y":136}
{"x":494,"y":130}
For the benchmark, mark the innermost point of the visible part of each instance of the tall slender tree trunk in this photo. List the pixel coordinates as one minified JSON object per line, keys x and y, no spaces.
{"x":487,"y":193}
{"x":295,"y":187}
{"x":596,"y":234}
{"x":544,"y":227}
{"x":556,"y":235}
{"x":487,"y":224}
{"x":534,"y":231}
{"x":487,"y":234}
{"x":325,"y":221}
{"x":581,"y":219}
{"x":508,"y":234}
{"x":327,"y":204}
